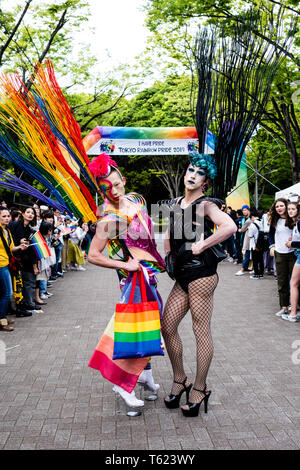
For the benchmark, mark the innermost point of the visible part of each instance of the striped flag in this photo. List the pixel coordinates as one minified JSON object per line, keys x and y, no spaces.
{"x":40,"y":246}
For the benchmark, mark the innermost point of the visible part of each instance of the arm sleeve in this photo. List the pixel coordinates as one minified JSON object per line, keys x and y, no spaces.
{"x":295,"y":245}
{"x":271,"y":236}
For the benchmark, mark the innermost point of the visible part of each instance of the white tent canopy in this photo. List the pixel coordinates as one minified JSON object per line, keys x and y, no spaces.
{"x":288,"y":192}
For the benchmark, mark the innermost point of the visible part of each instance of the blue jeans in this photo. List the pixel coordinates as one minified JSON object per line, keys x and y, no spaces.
{"x":5,"y":290}
{"x":246,"y":260}
{"x":43,"y":287}
{"x":58,"y":254}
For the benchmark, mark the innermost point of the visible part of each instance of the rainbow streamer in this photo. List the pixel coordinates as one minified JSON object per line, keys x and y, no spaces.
{"x":60,"y":117}
{"x":21,"y":113}
{"x":40,"y":246}
{"x":10,"y":181}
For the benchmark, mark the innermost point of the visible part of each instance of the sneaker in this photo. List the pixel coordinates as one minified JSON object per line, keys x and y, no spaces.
{"x":261,"y":276}
{"x":50,"y":280}
{"x":255,"y":276}
{"x":283,"y":311}
{"x":44,"y":296}
{"x":240,"y":273}
{"x":286,"y":316}
{"x":230,"y":259}
{"x":36,"y":311}
{"x":48,"y":294}
{"x":251,"y":272}
{"x":80,"y":268}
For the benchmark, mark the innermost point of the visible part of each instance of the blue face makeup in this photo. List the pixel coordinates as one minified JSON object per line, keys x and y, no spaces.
{"x":196,"y":174}
{"x":199,"y":172}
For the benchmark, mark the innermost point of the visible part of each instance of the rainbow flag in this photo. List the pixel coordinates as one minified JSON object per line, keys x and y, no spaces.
{"x":122,"y":372}
{"x":40,"y":246}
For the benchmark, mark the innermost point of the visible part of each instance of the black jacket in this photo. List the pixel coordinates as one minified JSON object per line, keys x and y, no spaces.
{"x":27,"y":257}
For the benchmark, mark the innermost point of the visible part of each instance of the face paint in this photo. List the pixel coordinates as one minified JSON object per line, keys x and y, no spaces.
{"x":105,"y":187}
{"x":194,"y":177}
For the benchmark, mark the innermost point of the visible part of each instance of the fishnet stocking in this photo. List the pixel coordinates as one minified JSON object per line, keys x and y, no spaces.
{"x":201,"y":304}
{"x":200,"y":301}
{"x":176,"y":308}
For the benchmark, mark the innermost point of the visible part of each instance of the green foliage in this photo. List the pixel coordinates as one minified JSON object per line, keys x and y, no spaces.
{"x":48,"y":28}
{"x":165,"y":104}
{"x":273,"y":164}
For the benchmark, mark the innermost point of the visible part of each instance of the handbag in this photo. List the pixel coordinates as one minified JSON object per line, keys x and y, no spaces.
{"x":170,"y":264}
{"x":218,"y":252}
{"x":137,"y":325}
{"x":214,"y":254}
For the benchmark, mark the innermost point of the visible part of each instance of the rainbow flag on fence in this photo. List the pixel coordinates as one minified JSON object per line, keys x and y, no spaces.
{"x":40,"y":246}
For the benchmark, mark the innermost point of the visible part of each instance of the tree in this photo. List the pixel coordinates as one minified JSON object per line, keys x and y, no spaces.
{"x":271,"y":159}
{"x":281,"y":118}
{"x":30,"y":33}
{"x":33,"y":30}
{"x":165,"y":104}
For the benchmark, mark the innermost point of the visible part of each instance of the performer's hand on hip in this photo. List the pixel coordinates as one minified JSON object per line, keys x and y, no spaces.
{"x":133,"y":265}
{"x":198,"y":247}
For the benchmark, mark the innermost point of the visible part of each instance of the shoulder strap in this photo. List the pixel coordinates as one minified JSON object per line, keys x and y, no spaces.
{"x":7,"y":249}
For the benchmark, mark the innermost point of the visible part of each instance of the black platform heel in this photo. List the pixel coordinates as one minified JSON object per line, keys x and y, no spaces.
{"x":194,"y":407}
{"x":174,"y":400}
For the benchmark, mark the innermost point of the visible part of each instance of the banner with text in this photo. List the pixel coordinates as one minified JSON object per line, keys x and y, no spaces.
{"x":155,"y":141}
{"x":147,"y":147}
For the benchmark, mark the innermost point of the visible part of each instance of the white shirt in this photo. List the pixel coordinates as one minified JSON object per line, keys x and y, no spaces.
{"x":282,"y":234}
{"x":253,"y":233}
{"x":78,"y":235}
{"x":265,"y":223}
{"x":296,"y":233}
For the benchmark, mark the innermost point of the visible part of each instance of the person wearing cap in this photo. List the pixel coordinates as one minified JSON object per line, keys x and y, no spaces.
{"x":246,"y":242}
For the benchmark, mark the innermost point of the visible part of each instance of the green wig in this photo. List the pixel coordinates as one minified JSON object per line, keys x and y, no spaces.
{"x":206,"y":162}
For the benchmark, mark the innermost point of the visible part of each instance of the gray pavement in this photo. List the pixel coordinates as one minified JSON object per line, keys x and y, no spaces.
{"x":51,"y":399}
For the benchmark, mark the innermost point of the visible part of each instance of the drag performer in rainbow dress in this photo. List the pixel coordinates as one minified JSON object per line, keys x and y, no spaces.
{"x":126,"y":229}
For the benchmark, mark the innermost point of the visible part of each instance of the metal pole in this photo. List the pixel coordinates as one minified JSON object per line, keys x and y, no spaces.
{"x":256,"y":183}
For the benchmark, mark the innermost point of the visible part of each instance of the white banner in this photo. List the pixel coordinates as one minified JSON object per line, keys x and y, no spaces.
{"x":146,"y":147}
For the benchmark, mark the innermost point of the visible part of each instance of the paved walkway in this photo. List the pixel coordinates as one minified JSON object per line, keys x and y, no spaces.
{"x":50,"y":399}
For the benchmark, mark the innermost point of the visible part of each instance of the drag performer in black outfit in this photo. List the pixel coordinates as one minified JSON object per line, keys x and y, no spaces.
{"x":195,"y":271}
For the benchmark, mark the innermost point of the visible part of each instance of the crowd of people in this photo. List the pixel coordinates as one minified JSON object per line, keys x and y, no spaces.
{"x":264,"y":243}
{"x":271,"y":242}
{"x":29,"y":266}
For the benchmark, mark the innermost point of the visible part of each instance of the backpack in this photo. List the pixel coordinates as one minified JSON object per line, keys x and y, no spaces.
{"x":261,"y":241}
